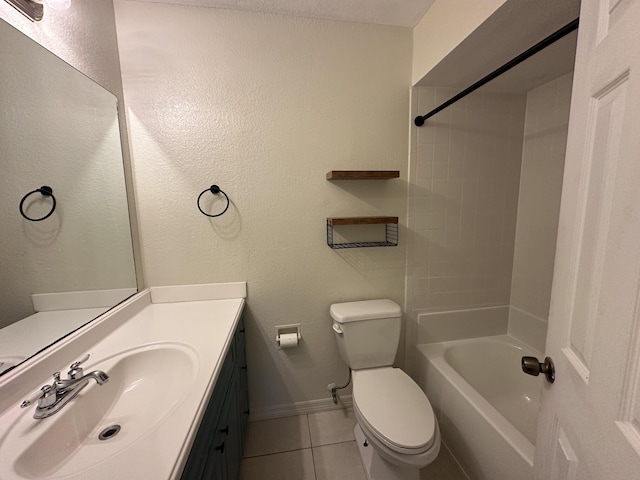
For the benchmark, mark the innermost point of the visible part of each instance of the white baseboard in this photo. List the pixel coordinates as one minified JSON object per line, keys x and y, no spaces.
{"x":299,"y":408}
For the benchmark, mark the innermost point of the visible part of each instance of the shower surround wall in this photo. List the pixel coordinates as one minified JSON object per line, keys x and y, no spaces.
{"x":545,"y":141}
{"x":484,"y":199}
{"x":465,"y":170}
{"x":264,"y":105}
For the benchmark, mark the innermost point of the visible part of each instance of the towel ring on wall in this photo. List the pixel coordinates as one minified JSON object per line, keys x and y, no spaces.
{"x":46,"y":192}
{"x":215,"y":189}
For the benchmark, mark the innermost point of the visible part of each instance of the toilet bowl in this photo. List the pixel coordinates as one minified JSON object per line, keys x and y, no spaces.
{"x":396,"y":430}
{"x":395,"y":416}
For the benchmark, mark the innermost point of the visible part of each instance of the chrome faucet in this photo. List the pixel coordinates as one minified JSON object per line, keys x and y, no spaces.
{"x":51,"y":398}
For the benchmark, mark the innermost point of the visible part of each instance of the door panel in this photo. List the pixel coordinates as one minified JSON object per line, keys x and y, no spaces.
{"x":589,"y":424}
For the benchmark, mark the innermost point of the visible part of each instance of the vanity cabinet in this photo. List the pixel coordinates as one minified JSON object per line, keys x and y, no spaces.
{"x":217,"y":449}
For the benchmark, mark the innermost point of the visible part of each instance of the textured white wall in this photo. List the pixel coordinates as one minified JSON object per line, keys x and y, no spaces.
{"x":264,"y":106}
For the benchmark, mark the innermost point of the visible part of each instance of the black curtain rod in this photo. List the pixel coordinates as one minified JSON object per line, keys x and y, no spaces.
{"x":554,"y":37}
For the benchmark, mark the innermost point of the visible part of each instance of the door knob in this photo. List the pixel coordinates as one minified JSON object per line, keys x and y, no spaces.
{"x":531,"y":366}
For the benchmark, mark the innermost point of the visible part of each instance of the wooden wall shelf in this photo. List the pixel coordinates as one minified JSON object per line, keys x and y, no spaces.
{"x":362,"y":174}
{"x":361,"y":220}
{"x":391,"y":231}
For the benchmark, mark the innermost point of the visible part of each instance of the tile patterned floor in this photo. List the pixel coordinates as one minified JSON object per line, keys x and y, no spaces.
{"x":318,"y":446}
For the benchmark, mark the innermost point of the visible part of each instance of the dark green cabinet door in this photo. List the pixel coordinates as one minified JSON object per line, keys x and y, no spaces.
{"x":217,"y":449}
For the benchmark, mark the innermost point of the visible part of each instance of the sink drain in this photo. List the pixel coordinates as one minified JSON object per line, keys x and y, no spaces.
{"x":109,"y":432}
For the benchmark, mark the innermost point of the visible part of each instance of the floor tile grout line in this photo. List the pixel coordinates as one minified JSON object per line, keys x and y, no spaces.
{"x":339,"y":442}
{"x":334,"y":443}
{"x":277,"y":453}
{"x":311,"y":447}
{"x":323,"y":444}
{"x":313,"y":458}
{"x":286,"y":450}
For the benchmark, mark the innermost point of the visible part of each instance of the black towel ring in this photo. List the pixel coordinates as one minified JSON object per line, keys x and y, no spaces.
{"x":46,"y":192}
{"x":215,"y":189}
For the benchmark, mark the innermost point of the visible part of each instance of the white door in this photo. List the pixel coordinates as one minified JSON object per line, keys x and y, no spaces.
{"x":590,"y":420}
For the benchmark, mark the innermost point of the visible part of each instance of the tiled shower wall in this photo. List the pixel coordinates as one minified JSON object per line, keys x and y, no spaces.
{"x":545,"y":140}
{"x":463,"y":198}
{"x":463,"y":195}
{"x":485,"y":184}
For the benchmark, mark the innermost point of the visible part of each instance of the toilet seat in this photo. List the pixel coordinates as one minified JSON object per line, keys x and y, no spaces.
{"x":394,"y":409}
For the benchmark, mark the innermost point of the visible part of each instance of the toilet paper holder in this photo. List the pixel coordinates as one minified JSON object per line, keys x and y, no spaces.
{"x":287,"y":331}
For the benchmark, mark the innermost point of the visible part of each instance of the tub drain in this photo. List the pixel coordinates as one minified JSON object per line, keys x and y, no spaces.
{"x":109,"y":432}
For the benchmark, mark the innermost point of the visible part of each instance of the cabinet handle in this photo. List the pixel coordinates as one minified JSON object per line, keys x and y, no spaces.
{"x":242,"y":331}
{"x":225,"y":430}
{"x":220,"y":447}
{"x":247,"y":411}
{"x":243,"y":368}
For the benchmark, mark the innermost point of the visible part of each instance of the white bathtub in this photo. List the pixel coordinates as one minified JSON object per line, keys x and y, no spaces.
{"x":486,"y":407}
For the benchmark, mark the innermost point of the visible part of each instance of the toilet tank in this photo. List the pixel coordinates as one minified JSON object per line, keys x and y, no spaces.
{"x":367,"y":332}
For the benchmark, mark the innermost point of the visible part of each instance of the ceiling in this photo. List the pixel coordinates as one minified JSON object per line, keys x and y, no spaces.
{"x":403,"y":13}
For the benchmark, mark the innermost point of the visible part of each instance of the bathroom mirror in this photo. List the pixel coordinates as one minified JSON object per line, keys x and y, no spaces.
{"x":59,"y":129}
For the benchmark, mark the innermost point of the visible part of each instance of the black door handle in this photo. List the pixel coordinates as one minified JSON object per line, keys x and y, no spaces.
{"x":531,"y":366}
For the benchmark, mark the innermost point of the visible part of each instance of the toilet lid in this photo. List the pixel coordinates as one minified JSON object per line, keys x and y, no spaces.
{"x":394,"y":408}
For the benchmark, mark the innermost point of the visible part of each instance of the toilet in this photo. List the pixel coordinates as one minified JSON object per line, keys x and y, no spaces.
{"x":396,"y":431}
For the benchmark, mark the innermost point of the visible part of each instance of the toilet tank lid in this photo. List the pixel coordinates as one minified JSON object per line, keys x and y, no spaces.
{"x":364,"y":310}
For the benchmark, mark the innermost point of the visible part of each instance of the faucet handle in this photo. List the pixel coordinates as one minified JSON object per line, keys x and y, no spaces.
{"x":75,"y":370}
{"x":42,"y":396}
{"x":79,"y":362}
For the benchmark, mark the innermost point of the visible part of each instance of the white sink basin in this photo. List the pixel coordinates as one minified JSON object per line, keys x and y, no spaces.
{"x":170,"y":354}
{"x":145,"y":385}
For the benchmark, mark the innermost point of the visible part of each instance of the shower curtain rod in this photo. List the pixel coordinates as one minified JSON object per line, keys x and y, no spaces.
{"x":554,"y":37}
